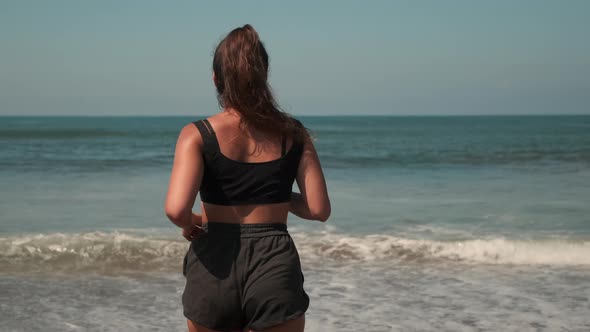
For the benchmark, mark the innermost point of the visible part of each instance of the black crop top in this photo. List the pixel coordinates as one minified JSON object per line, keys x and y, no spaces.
{"x":231,"y":182}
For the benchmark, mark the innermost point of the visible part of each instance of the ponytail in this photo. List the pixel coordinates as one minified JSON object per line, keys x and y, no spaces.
{"x":240,"y":64}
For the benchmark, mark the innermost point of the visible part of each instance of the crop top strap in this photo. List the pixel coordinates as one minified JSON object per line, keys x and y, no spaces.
{"x":208,"y":135}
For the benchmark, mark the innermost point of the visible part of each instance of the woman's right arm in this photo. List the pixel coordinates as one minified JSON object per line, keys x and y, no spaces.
{"x":313,"y":202}
{"x":185,"y":181}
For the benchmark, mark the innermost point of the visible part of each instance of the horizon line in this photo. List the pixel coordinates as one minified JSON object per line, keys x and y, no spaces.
{"x":304,"y":115}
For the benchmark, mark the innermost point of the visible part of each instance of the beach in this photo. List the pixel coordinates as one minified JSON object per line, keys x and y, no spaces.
{"x":439,"y":223}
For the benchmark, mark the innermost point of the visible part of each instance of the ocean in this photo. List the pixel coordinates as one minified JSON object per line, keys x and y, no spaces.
{"x":450,"y":223}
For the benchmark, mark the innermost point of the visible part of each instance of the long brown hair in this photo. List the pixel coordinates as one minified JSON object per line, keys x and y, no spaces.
{"x":240,"y":65}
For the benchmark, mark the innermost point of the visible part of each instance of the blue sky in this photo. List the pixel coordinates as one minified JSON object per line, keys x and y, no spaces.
{"x":327,"y":57}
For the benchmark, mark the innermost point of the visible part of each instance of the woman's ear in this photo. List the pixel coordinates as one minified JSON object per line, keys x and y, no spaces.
{"x":213,"y":77}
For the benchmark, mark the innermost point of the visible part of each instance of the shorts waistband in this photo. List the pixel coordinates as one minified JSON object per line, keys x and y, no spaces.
{"x":244,"y":230}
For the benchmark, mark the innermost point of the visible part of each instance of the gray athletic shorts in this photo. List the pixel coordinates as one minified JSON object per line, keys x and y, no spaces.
{"x":243,"y":275}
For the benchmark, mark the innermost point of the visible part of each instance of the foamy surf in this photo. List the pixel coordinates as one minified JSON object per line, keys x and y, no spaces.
{"x":116,"y":251}
{"x":96,"y":251}
{"x":488,"y":251}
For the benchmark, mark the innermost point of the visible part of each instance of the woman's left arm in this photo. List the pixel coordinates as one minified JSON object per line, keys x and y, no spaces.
{"x":185,"y":179}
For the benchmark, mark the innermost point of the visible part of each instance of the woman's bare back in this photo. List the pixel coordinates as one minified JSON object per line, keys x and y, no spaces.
{"x":244,"y":146}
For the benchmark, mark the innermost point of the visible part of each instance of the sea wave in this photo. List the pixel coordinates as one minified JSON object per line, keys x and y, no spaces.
{"x":87,"y":165}
{"x":79,"y":133}
{"x":448,"y":158}
{"x":96,"y":251}
{"x":487,"y":251}
{"x":117,"y":251}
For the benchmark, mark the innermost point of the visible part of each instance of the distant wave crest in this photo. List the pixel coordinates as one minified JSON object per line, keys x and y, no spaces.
{"x":450,"y":157}
{"x":76,"y":133}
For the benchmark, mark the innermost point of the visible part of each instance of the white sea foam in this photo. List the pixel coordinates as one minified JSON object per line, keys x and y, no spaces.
{"x":99,"y":251}
{"x":489,"y":251}
{"x":96,"y":251}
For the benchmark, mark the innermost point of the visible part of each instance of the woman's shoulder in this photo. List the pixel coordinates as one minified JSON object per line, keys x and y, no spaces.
{"x":189,"y":136}
{"x":223,"y":121}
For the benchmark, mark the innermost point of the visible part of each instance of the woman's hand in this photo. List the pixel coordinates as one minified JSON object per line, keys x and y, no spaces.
{"x":194,"y":229}
{"x":192,"y":232}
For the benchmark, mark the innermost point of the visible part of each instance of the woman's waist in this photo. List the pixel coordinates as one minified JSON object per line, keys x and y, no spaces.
{"x":242,"y":230}
{"x":246,"y":214}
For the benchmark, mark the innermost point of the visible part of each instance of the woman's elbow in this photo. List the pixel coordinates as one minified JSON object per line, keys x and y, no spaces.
{"x":322,"y":214}
{"x":323,"y":217}
{"x":174,"y":214}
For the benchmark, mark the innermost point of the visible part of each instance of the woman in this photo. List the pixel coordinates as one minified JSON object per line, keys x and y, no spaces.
{"x":242,"y":268}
